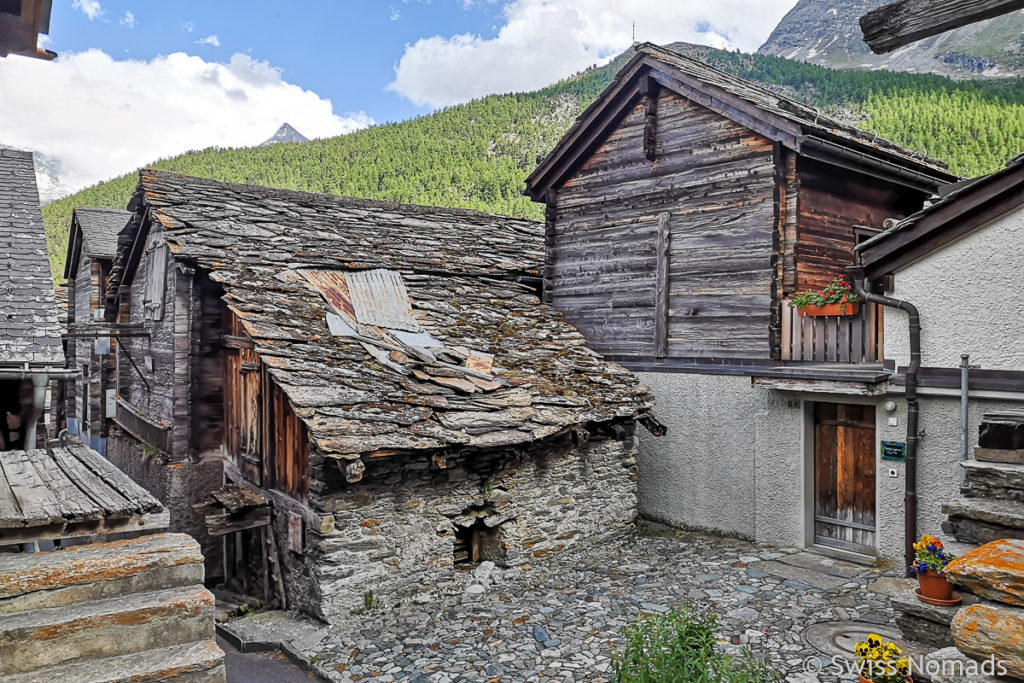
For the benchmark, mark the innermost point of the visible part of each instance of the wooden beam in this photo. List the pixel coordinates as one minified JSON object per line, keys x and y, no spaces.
{"x":661,"y":290}
{"x":892,"y":26}
{"x":649,"y":90}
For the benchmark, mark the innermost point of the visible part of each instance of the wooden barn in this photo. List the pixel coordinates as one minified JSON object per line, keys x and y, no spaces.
{"x":683,"y":208}
{"x":383,"y":408}
{"x":92,"y":243}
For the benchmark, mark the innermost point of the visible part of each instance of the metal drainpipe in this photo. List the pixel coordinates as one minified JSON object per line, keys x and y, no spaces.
{"x":39,"y":382}
{"x":856,"y":275}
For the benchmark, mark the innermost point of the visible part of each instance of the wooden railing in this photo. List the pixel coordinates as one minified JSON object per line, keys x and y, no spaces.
{"x":833,"y":339}
{"x":141,"y":427}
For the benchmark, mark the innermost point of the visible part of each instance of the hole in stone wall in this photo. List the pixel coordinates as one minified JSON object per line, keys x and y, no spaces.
{"x":477,"y":543}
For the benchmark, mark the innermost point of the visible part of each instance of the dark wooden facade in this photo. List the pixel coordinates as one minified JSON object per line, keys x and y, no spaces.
{"x":681,"y":212}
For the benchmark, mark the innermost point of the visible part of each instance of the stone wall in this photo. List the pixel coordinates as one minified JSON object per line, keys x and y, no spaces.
{"x":395,"y":531}
{"x":178,"y":485}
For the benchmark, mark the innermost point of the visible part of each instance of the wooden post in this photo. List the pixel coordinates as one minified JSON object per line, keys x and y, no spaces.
{"x":892,"y":26}
{"x":661,"y":292}
{"x":649,"y":89}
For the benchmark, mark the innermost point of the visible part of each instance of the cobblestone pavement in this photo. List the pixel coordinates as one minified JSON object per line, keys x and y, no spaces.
{"x":560,"y":619}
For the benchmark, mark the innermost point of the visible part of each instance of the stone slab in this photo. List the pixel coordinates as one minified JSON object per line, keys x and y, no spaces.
{"x":986,"y":629}
{"x":809,"y":577}
{"x":924,"y":623}
{"x":103,"y":628}
{"x":274,"y":630}
{"x":994,"y":571}
{"x":200,"y":662}
{"x":825,"y":565}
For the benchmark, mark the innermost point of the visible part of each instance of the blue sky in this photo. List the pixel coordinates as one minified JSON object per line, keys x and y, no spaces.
{"x":139,"y":81}
{"x":343,"y":50}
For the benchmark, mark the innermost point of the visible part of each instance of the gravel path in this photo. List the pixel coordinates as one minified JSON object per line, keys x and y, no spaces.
{"x":561,"y":619}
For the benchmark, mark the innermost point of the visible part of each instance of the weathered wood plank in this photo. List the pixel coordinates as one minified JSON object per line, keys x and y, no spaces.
{"x":10,"y":511}
{"x":138,"y":497}
{"x":110,"y":501}
{"x":37,"y":503}
{"x":892,"y":26}
{"x":73,"y":504}
{"x":661,"y":289}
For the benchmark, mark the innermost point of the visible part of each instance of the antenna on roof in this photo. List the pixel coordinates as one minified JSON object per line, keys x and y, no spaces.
{"x":634,"y":32}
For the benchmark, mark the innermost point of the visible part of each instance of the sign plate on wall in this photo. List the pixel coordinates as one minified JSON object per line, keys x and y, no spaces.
{"x":894,"y":451}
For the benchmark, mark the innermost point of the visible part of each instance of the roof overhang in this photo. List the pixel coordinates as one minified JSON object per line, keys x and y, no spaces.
{"x":973,"y":207}
{"x":618,"y":99}
{"x":19,"y":33}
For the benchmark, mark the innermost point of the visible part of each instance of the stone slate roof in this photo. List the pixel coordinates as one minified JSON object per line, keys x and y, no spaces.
{"x":29,"y":332}
{"x":99,"y":229}
{"x":373,"y":393}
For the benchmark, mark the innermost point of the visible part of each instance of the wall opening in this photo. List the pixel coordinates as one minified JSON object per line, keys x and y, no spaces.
{"x":477,"y":543}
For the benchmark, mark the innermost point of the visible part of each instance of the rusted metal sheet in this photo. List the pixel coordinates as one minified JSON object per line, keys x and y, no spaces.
{"x":332,"y":286}
{"x":380,"y":299}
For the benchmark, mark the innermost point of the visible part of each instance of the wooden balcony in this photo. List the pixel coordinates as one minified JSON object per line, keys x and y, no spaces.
{"x":833,"y":339}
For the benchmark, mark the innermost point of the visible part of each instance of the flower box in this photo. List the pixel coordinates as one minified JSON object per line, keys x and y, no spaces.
{"x":831,"y":309}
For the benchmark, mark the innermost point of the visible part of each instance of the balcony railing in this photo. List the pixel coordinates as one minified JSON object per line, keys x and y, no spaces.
{"x":833,"y":339}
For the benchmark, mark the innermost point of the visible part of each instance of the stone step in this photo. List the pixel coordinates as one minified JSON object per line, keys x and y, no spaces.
{"x":993,"y":480}
{"x":981,"y":520}
{"x":199,"y":662}
{"x":84,"y":573}
{"x":924,"y":623}
{"x":104,"y":628}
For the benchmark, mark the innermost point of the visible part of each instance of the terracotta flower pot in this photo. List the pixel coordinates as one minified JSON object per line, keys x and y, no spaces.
{"x":831,"y":309}
{"x":935,"y":585}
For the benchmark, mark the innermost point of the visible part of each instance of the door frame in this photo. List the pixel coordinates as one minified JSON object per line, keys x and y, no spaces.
{"x":807,"y":439}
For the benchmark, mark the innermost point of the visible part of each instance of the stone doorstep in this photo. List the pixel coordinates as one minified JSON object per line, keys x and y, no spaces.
{"x":114,"y":626}
{"x":791,"y":572}
{"x":276,"y":630}
{"x":824,"y":564}
{"x":199,"y":662}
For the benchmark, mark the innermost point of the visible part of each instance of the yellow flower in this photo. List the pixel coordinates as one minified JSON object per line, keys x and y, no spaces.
{"x":862,"y":649}
{"x":903,"y":666}
{"x":874,"y":640}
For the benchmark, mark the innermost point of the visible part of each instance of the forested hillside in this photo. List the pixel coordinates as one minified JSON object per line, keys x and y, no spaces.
{"x":477,"y":155}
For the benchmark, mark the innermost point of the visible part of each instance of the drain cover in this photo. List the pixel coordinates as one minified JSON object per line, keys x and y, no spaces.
{"x":840,"y":637}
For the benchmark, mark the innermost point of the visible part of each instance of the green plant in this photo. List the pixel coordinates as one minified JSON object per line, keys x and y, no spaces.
{"x":245,"y":609}
{"x":368,"y":600}
{"x":837,"y":292}
{"x":149,"y":450}
{"x":680,"y":647}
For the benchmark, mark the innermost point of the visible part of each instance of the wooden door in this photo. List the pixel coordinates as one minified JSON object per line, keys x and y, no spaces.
{"x":844,"y":476}
{"x":243,"y":392}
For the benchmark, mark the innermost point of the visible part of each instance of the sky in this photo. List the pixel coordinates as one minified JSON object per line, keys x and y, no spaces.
{"x":137,"y":81}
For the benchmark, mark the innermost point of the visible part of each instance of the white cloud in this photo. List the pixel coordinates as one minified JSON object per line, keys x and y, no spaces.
{"x":395,"y":14}
{"x":209,"y":40}
{"x":541,"y":41}
{"x":128,"y":113}
{"x":90,"y":8}
{"x":128,"y":19}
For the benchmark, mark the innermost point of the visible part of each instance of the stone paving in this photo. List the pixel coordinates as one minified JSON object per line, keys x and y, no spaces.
{"x":560,"y":619}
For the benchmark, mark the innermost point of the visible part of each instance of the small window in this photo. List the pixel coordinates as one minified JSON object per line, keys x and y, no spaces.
{"x":10,"y":7}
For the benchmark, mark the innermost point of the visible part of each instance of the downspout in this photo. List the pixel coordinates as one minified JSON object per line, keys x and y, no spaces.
{"x":856,"y":275}
{"x":39,"y":382}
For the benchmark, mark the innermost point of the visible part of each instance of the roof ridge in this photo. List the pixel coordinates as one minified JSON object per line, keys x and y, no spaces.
{"x":360,"y":202}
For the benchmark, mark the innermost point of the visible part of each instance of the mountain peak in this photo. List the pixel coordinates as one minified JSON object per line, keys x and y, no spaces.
{"x":828,"y":33}
{"x":285,"y":134}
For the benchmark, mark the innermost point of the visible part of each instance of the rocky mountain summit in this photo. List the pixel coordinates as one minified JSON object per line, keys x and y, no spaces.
{"x":285,"y":134}
{"x":827,"y":33}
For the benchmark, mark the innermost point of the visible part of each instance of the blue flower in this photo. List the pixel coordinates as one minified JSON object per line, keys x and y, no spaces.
{"x":930,"y":548}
